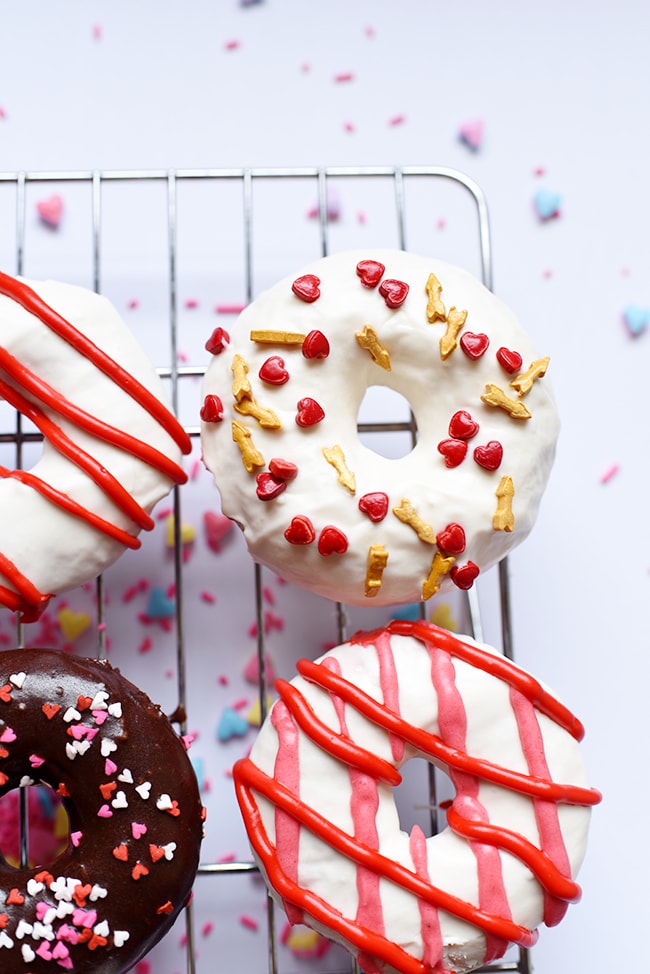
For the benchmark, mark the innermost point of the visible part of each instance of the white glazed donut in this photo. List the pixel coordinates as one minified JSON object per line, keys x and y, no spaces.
{"x":317,"y":800}
{"x":279,"y":427}
{"x":111,"y":450}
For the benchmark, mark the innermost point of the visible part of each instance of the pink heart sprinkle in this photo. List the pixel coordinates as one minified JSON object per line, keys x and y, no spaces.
{"x":35,"y":761}
{"x":50,"y":210}
{"x":109,"y":767}
{"x":44,"y":951}
{"x":104,"y":812}
{"x":7,"y":736}
{"x":75,"y":838}
{"x":138,"y":830}
{"x":41,"y":909}
{"x":77,"y":731}
{"x":100,"y":716}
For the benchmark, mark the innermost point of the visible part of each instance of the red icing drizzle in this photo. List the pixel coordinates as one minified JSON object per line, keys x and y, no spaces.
{"x":467,"y":816}
{"x":31,"y":601}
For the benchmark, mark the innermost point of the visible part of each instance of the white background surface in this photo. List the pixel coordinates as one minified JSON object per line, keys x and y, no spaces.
{"x":562,"y":90}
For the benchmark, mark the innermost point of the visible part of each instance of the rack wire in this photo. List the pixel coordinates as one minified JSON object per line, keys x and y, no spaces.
{"x":398,"y":179}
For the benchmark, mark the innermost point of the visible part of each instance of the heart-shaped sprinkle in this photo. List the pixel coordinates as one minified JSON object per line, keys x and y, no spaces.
{"x":309,"y":412}
{"x":332,"y":541}
{"x":454,"y":451}
{"x":463,"y":576}
{"x":125,"y":776}
{"x":115,"y":709}
{"x":104,"y":812}
{"x":217,"y":341}
{"x":120,"y":937}
{"x":489,"y":456}
{"x":36,"y":761}
{"x":99,"y":700}
{"x":34,"y":887}
{"x":107,"y":747}
{"x":156,"y":852}
{"x":80,"y":893}
{"x":393,"y":292}
{"x":462,"y":426}
{"x":169,"y":851}
{"x":75,"y":838}
{"x":109,"y":767}
{"x":43,"y":949}
{"x":18,"y":679}
{"x":474,"y":345}
{"x":71,"y":714}
{"x":283,"y":469}
{"x":144,"y":790}
{"x":306,"y":288}
{"x":51,"y":210}
{"x":268,"y":486}
{"x":370,"y":272}
{"x":107,"y":788}
{"x":27,"y":953}
{"x":636,"y":320}
{"x":159,"y":605}
{"x":216,"y":527}
{"x":164,"y":802}
{"x":83,"y":702}
{"x":24,"y":929}
{"x":139,"y":870}
{"x":50,"y":710}
{"x":300,"y":531}
{"x":73,"y":624}
{"x":273,"y":371}
{"x":547,"y":204}
{"x":231,"y":724}
{"x":120,"y":800}
{"x":451,"y":539}
{"x":315,"y":345}
{"x":471,"y":134}
{"x":8,"y":736}
{"x":509,"y":360}
{"x":5,"y":693}
{"x":375,"y":505}
{"x":15,"y":897}
{"x":212,"y":409}
{"x":138,"y":829}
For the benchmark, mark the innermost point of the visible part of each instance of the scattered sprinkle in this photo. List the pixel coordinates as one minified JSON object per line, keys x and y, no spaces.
{"x":636,"y":319}
{"x":547,"y":204}
{"x":609,"y":473}
{"x":471,"y":134}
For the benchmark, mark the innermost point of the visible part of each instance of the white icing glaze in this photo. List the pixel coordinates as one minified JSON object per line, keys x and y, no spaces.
{"x":52,"y":548}
{"x":447,"y":687}
{"x":435,"y":388}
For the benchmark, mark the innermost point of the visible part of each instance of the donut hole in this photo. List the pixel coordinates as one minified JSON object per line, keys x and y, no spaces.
{"x":47,"y":825}
{"x":421,"y":797}
{"x":384,"y":407}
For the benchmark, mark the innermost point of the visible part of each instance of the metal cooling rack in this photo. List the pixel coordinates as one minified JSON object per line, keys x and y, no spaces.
{"x":398,"y":180}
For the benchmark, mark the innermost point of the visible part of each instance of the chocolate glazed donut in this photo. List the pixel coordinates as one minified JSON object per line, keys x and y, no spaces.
{"x":134,"y":809}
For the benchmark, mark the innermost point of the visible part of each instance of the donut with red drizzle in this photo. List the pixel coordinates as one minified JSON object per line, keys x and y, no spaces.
{"x":317,"y":800}
{"x":134,"y":811}
{"x":291,"y":382}
{"x":112,"y":447}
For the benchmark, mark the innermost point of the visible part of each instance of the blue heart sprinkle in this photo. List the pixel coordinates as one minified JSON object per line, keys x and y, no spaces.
{"x":231,"y":724}
{"x":160,"y":606}
{"x":411,"y":613}
{"x":636,"y":319}
{"x":547,"y":204}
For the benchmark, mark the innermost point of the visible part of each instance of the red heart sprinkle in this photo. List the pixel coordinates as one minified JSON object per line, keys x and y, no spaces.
{"x":332,"y":541}
{"x":121,"y":852}
{"x":462,"y":426}
{"x":453,"y":451}
{"x":451,"y":539}
{"x":268,"y":486}
{"x":474,"y":345}
{"x":81,"y":893}
{"x":393,"y":292}
{"x":15,"y":898}
{"x":139,"y":870}
{"x":489,"y":456}
{"x":212,"y":409}
{"x":306,"y":288}
{"x":217,"y":341}
{"x":156,"y":852}
{"x":509,"y":360}
{"x":50,"y":710}
{"x":309,"y":412}
{"x":463,"y":576}
{"x":315,"y":345}
{"x":83,"y":703}
{"x":5,"y":693}
{"x":273,"y":371}
{"x":300,"y":531}
{"x":370,"y":272}
{"x":374,"y":505}
{"x":283,"y":469}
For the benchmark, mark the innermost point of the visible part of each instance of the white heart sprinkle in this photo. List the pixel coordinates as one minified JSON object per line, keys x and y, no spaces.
{"x":71,"y":751}
{"x":144,"y":789}
{"x":126,"y":776}
{"x":5,"y":939}
{"x":18,"y":679}
{"x":97,"y":893}
{"x":49,"y":916}
{"x":115,"y":709}
{"x":34,"y":887}
{"x":28,"y":953}
{"x":120,"y":800}
{"x":120,"y":937}
{"x":23,"y":929}
{"x":64,"y":909}
{"x":26,"y":781}
{"x":71,"y":714}
{"x":42,"y":932}
{"x":102,"y":929}
{"x":81,"y":746}
{"x":61,"y":889}
{"x":164,"y":802}
{"x":108,"y":747}
{"x":99,"y":701}
{"x":169,"y":850}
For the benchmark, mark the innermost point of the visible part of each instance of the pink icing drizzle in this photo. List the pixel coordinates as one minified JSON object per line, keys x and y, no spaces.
{"x":27,"y":598}
{"x":467,"y":815}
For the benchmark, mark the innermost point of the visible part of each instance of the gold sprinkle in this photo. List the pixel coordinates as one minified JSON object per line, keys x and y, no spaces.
{"x":251,"y":456}
{"x":449,"y":341}
{"x":504,"y":519}
{"x":265,"y":337}
{"x":407,"y":514}
{"x":435,"y":307}
{"x":494,"y":396}
{"x":377,"y":558}
{"x":267,"y":419}
{"x":336,"y":458}
{"x":368,"y":339}
{"x":523,"y":382}
{"x":440,"y":565}
{"x":241,"y":387}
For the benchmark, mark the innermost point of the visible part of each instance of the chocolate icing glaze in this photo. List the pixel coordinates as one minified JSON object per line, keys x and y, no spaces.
{"x":135,"y":815}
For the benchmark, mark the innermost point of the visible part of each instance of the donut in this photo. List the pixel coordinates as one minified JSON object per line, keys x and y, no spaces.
{"x":134,"y":811}
{"x":111,"y":450}
{"x":316,"y":796}
{"x":279,"y":411}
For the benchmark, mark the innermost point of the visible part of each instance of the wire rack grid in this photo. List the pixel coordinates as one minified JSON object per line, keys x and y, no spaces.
{"x":401,"y":213}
